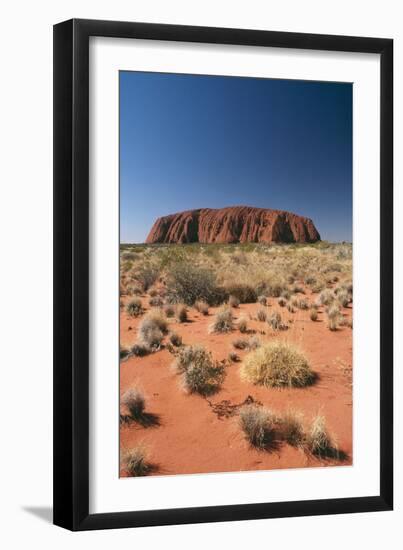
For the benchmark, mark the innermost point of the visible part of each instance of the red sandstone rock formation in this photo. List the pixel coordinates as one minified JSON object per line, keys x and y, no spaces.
{"x":238,"y":224}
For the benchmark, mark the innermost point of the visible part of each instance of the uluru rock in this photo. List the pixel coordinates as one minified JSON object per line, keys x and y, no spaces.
{"x":237,"y":224}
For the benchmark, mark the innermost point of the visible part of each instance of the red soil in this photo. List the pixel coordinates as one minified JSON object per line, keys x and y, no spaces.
{"x":193,"y":436}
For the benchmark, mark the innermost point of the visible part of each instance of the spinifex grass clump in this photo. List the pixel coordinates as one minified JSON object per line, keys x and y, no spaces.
{"x":243,"y":325}
{"x":200,"y":373}
{"x":333,"y":316}
{"x":202,"y":307}
{"x":135,"y":402}
{"x":277,"y":364}
{"x":261,"y":315}
{"x":134,"y":307}
{"x":233,"y":301}
{"x":257,"y":423}
{"x":275,"y":322}
{"x":156,"y":301}
{"x":319,"y":441}
{"x":135,"y":462}
{"x":223,"y":321}
{"x":152,"y":329}
{"x":291,"y":428}
{"x":313,"y":313}
{"x":181,"y":313}
{"x":175,"y":339}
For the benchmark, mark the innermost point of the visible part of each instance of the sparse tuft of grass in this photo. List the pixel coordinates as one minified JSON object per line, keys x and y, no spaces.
{"x":181,"y":313}
{"x":319,"y":441}
{"x":135,"y":462}
{"x":261,"y":315}
{"x":134,"y":307}
{"x":233,"y":301}
{"x":200,"y":373}
{"x":257,"y":423}
{"x":313,"y":314}
{"x":175,"y":339}
{"x":123,"y":353}
{"x":139,"y":350}
{"x":233,"y":357}
{"x":243,"y":325}
{"x":201,"y":307}
{"x":291,"y":428}
{"x":156,"y":301}
{"x":169,"y":310}
{"x":282,"y":302}
{"x":223,"y":321}
{"x":262,"y":300}
{"x":274,"y":321}
{"x":240,"y":343}
{"x":152,"y":329}
{"x":277,"y":364}
{"x":326,"y":297}
{"x":333,"y":316}
{"x":135,"y":402}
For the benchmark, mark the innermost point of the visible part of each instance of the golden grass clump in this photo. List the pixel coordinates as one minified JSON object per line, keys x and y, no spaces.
{"x":202,"y":307}
{"x":261,"y":315}
{"x":135,"y":402}
{"x":181,"y":313}
{"x":277,"y":364}
{"x":319,"y":441}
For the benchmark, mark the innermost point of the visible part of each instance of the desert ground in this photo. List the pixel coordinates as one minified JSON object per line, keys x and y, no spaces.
{"x":235,"y":357}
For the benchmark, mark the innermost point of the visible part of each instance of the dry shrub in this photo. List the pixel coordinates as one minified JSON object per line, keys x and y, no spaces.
{"x":201,"y":307}
{"x":261,"y":315}
{"x":156,"y":301}
{"x":319,"y":441}
{"x":262,"y":300}
{"x":181,"y":313}
{"x":152,"y":329}
{"x":139,"y":350}
{"x":188,"y":284}
{"x":135,"y":462}
{"x":200,"y":373}
{"x":257,"y":423}
{"x":243,"y":325}
{"x":233,"y":301}
{"x":169,"y":310}
{"x":291,"y":428}
{"x":134,"y":307}
{"x":313,"y":314}
{"x":333,"y":316}
{"x":275,"y":322}
{"x":135,"y":403}
{"x":240,"y":343}
{"x":326,"y":297}
{"x":245,"y":293}
{"x":223,"y":321}
{"x":277,"y":364}
{"x":175,"y":339}
{"x":146,"y":276}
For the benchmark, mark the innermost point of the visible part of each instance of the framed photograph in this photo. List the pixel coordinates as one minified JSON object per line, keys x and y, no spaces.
{"x":223,"y":241}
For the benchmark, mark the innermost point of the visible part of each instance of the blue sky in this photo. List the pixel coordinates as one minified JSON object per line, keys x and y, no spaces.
{"x":189,"y":141}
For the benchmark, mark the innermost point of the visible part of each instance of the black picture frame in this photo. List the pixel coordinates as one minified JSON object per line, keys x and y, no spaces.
{"x":71,"y":274}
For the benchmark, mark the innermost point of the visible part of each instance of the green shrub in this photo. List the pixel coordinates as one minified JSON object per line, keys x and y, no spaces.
{"x":189,"y":284}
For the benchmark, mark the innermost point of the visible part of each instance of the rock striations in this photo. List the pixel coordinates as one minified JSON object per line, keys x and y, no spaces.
{"x":237,"y":224}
